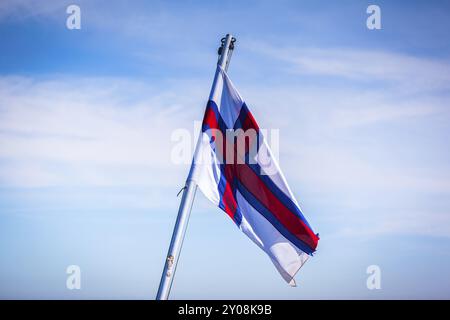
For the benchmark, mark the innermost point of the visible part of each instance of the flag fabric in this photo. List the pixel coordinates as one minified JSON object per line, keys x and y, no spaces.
{"x":234,"y":168}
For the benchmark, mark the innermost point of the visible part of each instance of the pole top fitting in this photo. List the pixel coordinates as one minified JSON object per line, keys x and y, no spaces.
{"x":223,"y":42}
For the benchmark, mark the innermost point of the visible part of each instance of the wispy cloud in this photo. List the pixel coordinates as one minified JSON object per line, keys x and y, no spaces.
{"x":427,"y":223}
{"x":355,"y":123}
{"x":105,"y":131}
{"x":414,"y":74}
{"x":65,"y":131}
{"x":25,"y":9}
{"x":369,"y":135}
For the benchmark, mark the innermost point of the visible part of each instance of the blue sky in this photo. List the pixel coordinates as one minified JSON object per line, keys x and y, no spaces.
{"x":86,"y":118}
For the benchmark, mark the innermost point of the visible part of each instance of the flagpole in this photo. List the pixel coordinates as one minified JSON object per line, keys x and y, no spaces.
{"x":187,"y":199}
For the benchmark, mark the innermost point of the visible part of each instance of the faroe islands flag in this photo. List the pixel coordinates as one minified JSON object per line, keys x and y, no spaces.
{"x":235,"y":169}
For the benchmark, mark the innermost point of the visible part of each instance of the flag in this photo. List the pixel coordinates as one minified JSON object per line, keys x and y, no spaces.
{"x":234,"y":168}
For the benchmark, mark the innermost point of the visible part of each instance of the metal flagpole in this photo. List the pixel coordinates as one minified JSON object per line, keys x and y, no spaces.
{"x":188,"y":195}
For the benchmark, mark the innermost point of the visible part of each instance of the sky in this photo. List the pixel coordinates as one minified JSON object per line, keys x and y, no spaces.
{"x":86,"y":124}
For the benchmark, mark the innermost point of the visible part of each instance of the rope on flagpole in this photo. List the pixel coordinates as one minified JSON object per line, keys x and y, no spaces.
{"x":182,"y":189}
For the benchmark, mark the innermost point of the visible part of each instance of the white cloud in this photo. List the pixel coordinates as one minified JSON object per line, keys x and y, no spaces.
{"x":59,"y":131}
{"x":368,"y":138}
{"x":413,"y":74}
{"x":421,"y":223}
{"x":24,"y":9}
{"x":104,"y":131}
